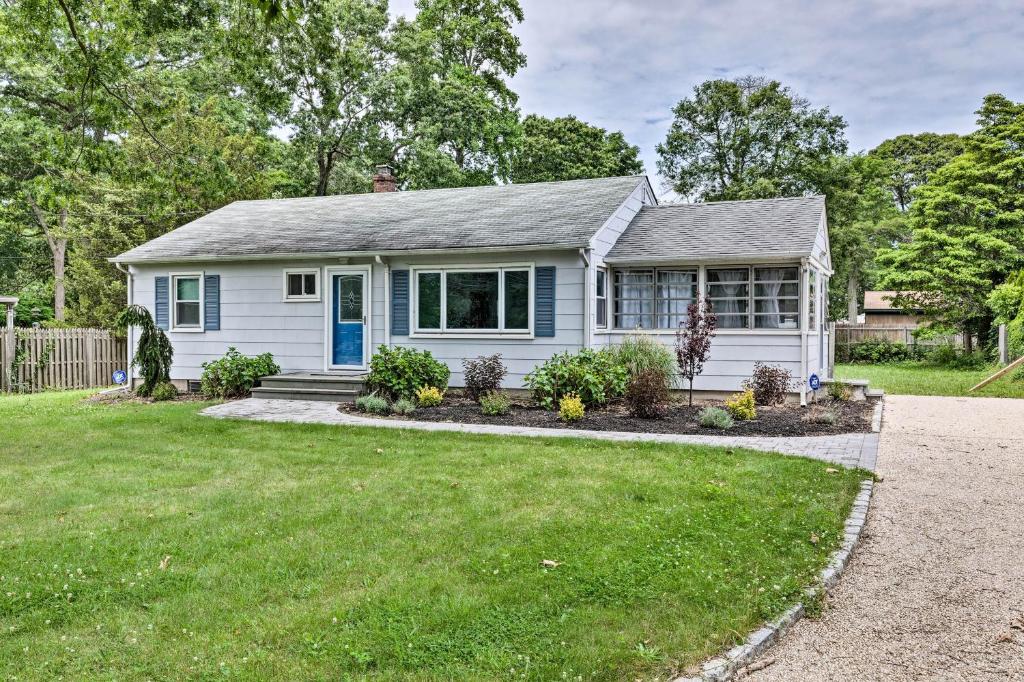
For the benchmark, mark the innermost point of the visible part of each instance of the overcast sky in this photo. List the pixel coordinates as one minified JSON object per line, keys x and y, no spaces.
{"x":887,"y":66}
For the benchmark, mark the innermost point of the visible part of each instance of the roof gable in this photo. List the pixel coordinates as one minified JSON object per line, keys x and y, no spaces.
{"x":549,"y":214}
{"x":723,"y":230}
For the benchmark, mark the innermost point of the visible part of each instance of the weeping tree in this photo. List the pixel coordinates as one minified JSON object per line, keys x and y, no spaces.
{"x":154,"y":353}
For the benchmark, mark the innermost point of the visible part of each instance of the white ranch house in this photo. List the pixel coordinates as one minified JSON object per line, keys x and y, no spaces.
{"x":525,"y":270}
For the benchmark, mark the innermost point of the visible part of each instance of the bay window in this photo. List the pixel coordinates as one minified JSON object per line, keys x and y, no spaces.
{"x":473,"y":300}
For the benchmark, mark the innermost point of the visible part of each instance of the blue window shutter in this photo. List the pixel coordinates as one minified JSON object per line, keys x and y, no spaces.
{"x":544,"y":301}
{"x":211,"y":303}
{"x":162,"y":306}
{"x":400,"y":302}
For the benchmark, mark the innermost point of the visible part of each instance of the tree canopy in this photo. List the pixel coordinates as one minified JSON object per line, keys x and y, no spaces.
{"x":567,"y":148}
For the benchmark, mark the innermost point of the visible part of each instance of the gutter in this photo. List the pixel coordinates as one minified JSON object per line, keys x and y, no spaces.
{"x":343,"y":254}
{"x":587,"y":331}
{"x":387,"y":300}
{"x":805,"y":300}
{"x":130,"y":330}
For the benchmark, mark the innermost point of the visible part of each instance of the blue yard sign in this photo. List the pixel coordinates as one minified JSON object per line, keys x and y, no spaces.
{"x":814,"y":382}
{"x":120,"y":376}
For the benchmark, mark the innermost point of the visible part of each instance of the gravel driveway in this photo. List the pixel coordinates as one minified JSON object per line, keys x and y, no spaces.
{"x":936,"y":588}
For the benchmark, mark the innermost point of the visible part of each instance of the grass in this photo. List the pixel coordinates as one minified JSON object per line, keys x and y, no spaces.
{"x":917,"y":378}
{"x":312,"y":552}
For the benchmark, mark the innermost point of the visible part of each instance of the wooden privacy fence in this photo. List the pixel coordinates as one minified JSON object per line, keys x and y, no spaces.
{"x":847,"y":334}
{"x":60,"y":358}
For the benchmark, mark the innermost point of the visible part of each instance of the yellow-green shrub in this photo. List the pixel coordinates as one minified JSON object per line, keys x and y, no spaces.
{"x":570,"y":408}
{"x":429,"y":396}
{"x":741,"y":405}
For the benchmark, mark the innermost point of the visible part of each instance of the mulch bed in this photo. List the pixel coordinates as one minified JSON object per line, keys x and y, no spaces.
{"x":781,"y":420}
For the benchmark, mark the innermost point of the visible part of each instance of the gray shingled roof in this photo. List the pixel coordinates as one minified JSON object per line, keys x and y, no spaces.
{"x":540,"y":214}
{"x":768,"y":228}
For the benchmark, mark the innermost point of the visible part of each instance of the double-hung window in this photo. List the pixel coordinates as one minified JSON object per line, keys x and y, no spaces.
{"x":653,"y":298}
{"x":777,"y":298}
{"x":186,"y":305}
{"x":602,"y":298}
{"x":461,"y":300}
{"x":729,"y":295}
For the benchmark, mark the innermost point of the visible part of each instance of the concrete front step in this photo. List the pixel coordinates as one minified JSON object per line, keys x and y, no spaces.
{"x":307,"y":386}
{"x":324,"y":394}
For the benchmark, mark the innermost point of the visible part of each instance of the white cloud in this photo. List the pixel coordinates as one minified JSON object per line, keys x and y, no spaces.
{"x":886,"y":66}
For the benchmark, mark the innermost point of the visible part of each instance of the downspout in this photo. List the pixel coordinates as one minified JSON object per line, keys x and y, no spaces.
{"x":131,"y":330}
{"x":585,"y":256}
{"x":805,"y":288}
{"x":387,"y":299}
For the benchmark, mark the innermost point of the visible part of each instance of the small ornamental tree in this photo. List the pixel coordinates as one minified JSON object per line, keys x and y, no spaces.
{"x":693,"y":341}
{"x":154,"y":353}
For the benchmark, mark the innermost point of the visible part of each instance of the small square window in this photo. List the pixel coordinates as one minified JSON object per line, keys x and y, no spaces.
{"x":302,"y":285}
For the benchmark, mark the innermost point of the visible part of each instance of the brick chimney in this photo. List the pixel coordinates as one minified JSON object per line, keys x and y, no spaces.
{"x":384,"y":179}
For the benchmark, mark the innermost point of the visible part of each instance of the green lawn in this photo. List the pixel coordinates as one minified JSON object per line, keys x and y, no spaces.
{"x":317,"y":552}
{"x":921,"y":379}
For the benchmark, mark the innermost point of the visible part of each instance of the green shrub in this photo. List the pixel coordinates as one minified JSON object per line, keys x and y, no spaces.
{"x":403,"y":406}
{"x":715,"y":418}
{"x":495,"y":404}
{"x":235,"y":374}
{"x":570,"y":408}
{"x":639,"y":353}
{"x":593,"y":376}
{"x":398,"y":372}
{"x":165,"y":390}
{"x":647,"y":394}
{"x":878,"y":352}
{"x":483,"y":375}
{"x":741,"y":406}
{"x":429,"y":396}
{"x":373,"y":404}
{"x":838,"y":390}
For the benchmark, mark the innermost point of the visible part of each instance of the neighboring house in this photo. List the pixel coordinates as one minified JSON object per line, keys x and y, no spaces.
{"x":879,"y":311}
{"x":523,"y":270}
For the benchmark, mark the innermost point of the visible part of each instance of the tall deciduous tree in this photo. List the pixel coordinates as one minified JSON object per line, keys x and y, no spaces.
{"x":748,"y":138}
{"x":968,"y":226}
{"x":454,"y":117}
{"x":321,"y":74}
{"x":567,"y":148}
{"x":913,"y":158}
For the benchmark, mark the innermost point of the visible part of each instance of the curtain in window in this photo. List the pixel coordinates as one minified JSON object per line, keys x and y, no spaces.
{"x":634,"y":299}
{"x":728,"y":291}
{"x":776,"y":298}
{"x":676,"y":290}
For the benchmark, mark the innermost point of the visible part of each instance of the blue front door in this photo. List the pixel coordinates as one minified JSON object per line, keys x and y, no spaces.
{"x":349,"y":318}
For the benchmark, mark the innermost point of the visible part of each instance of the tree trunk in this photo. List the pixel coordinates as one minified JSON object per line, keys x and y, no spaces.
{"x":59,"y":249}
{"x":852,"y":294}
{"x":324,"y":166}
{"x":968,"y":340}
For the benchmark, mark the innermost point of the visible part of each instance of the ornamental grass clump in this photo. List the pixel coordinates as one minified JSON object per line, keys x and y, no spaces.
{"x":741,"y":406}
{"x":429,"y":396}
{"x":570,"y":408}
{"x":641,"y":354}
{"x":483,"y":375}
{"x":715,"y":418}
{"x":373,"y":404}
{"x":495,"y":404}
{"x":821,"y":415}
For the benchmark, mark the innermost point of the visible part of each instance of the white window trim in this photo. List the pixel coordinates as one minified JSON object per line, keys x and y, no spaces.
{"x":444,"y":333}
{"x":610,"y":282}
{"x":172,"y":297}
{"x":303,"y":297}
{"x":702,"y":286}
{"x":600,"y":270}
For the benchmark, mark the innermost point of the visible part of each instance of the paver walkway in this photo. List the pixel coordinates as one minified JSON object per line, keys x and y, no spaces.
{"x":852,"y":450}
{"x":935,"y":590}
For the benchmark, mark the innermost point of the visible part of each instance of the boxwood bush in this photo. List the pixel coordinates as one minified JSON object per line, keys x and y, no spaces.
{"x":594,"y":376}
{"x":398,"y":372}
